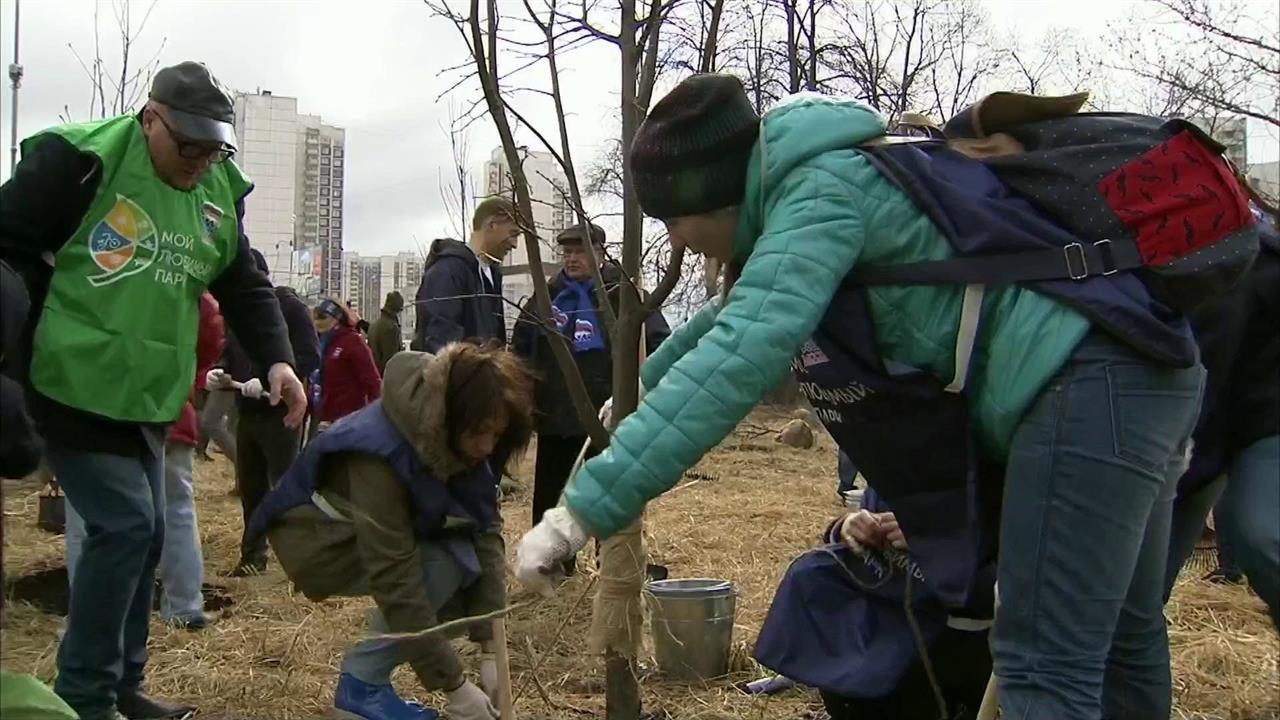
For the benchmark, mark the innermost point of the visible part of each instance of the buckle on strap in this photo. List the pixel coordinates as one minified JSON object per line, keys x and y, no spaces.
{"x":1082,"y":262}
{"x":1108,"y":257}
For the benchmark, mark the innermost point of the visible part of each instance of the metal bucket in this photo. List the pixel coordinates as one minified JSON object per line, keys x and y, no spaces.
{"x":692,"y":625}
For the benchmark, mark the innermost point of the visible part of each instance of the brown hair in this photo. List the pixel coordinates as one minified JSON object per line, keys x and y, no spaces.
{"x":492,"y":207}
{"x":486,"y":382}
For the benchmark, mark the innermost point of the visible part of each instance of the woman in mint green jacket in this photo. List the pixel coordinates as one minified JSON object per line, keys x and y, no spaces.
{"x":1073,"y":414}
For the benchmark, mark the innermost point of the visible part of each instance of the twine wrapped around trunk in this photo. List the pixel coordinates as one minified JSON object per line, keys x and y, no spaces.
{"x":617,"y":623}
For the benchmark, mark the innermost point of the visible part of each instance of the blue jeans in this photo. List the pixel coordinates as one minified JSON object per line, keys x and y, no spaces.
{"x":372,"y":661}
{"x":846,"y":472}
{"x":1246,"y":515}
{"x":181,"y":566}
{"x":1252,"y":510}
{"x":121,"y":501}
{"x":1189,"y":513}
{"x":1092,"y":469}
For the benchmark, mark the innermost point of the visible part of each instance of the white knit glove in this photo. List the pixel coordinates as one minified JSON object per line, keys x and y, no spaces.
{"x":469,"y":702}
{"x":558,"y":537}
{"x":489,"y":676}
{"x":251,"y":388}
{"x":216,"y":379}
{"x":606,"y":414}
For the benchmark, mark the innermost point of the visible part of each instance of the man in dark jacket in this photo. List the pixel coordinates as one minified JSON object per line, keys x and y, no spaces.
{"x":384,"y":335}
{"x":1236,"y":450}
{"x":576,"y":315}
{"x":266,"y":445}
{"x":140,"y":213}
{"x":460,"y":297}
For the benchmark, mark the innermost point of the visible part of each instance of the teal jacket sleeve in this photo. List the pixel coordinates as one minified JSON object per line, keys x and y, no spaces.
{"x":812,"y":234}
{"x":681,"y":341}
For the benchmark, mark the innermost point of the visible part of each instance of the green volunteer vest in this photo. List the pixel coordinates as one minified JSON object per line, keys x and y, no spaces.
{"x":117,"y":335}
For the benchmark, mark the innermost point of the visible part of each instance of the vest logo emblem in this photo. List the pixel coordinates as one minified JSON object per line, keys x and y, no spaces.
{"x":211,"y":214}
{"x":123,"y":243}
{"x":811,"y":354}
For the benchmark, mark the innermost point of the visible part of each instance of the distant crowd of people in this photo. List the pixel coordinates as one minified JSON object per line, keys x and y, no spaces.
{"x":1021,"y":384}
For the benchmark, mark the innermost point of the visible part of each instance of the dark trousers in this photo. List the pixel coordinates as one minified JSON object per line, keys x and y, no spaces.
{"x":556,"y":454}
{"x":265,"y":448}
{"x":121,"y":499}
{"x":962,"y":664}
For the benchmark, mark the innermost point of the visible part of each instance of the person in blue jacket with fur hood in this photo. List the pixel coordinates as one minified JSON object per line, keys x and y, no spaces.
{"x":1068,"y":413}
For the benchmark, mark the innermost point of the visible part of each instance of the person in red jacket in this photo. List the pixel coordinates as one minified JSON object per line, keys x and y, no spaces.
{"x":181,"y":568}
{"x":348,"y":378}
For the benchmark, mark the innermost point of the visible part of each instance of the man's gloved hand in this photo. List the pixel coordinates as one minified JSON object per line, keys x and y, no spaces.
{"x":543,"y":550}
{"x":489,"y":676}
{"x":217,"y":379}
{"x":251,"y":388}
{"x":469,"y":702}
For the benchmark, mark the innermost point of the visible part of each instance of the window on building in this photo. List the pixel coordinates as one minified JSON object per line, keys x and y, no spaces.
{"x":337,"y":151}
{"x":324,"y":212}
{"x":324,"y":222}
{"x":324,"y":201}
{"x":325,"y":149}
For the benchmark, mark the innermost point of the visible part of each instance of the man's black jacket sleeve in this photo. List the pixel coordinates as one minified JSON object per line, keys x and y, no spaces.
{"x":302,"y":335}
{"x":248,"y":303}
{"x":41,"y":206}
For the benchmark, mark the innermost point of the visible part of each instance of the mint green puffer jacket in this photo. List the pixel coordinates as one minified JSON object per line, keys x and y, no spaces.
{"x":814,"y":208}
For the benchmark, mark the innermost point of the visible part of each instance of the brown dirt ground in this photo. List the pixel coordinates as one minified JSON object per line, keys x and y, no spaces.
{"x":747,"y":509}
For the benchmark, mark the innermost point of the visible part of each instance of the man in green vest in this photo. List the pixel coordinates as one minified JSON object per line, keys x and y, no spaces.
{"x":117,"y":227}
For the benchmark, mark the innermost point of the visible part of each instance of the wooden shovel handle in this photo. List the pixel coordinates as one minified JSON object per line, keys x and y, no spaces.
{"x":506,"y":705}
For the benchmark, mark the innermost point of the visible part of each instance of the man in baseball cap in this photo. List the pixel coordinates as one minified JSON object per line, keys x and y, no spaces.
{"x":114,"y":349}
{"x":198,"y":108}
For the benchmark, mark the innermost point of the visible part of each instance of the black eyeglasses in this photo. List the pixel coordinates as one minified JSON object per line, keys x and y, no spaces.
{"x":189,"y":149}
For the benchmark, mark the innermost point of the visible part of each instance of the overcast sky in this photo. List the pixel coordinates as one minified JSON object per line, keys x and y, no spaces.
{"x":374,"y":67}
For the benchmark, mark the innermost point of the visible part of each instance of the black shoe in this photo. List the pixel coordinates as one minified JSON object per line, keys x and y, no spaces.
{"x":1225,"y":577}
{"x":249,"y":568}
{"x":136,"y":706}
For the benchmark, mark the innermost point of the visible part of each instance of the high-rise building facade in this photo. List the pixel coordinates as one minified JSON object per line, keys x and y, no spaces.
{"x":370,"y":278}
{"x":552,"y":212}
{"x":1231,"y":131}
{"x":321,"y":159}
{"x":294,"y":214}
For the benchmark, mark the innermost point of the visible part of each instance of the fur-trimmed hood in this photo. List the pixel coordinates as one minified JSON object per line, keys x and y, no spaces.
{"x":413,"y":397}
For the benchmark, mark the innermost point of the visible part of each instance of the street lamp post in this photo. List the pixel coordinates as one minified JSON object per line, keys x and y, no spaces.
{"x":15,"y":76}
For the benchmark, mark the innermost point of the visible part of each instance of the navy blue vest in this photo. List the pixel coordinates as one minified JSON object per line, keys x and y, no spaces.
{"x":909,"y":435}
{"x":981,"y":216}
{"x":449,"y":512}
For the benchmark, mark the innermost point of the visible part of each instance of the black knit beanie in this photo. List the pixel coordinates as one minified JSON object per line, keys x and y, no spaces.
{"x":690,"y":155}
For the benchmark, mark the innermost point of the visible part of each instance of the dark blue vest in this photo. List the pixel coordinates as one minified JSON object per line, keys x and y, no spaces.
{"x":981,"y":216}
{"x":449,"y":512}
{"x":909,"y":435}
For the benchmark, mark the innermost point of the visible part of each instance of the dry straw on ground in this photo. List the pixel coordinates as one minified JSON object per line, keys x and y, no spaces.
{"x":742,"y":514}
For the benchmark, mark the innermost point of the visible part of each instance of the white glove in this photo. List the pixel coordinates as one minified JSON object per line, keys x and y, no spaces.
{"x":469,"y":702}
{"x":489,"y":676}
{"x":251,"y":388}
{"x":216,"y":379}
{"x":858,"y":531}
{"x":606,"y":414}
{"x":558,"y":537}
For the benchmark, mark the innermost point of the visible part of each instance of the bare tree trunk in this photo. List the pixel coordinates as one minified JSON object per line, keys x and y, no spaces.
{"x":793,"y":50}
